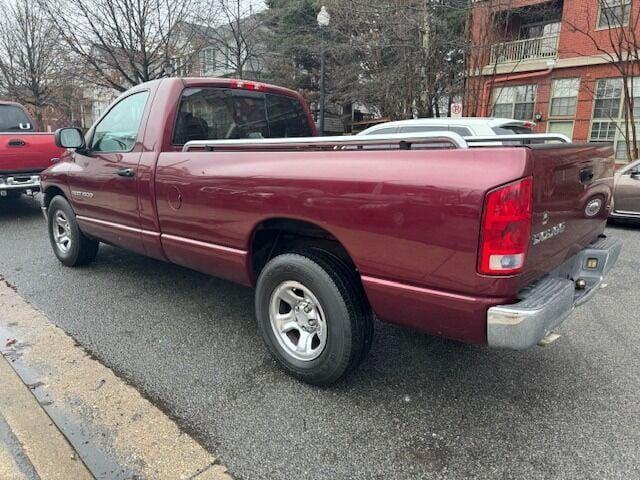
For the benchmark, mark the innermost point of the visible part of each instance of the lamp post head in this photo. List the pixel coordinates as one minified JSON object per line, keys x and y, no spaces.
{"x":323,"y":17}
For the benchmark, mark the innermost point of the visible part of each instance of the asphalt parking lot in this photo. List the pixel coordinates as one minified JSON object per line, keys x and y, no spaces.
{"x":419,"y":407}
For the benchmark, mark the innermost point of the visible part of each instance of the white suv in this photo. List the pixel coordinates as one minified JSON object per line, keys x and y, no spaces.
{"x":465,"y":127}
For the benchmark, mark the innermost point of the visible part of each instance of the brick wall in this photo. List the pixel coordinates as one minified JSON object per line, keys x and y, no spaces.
{"x":588,"y":77}
{"x":574,"y":48}
{"x":580,"y":17}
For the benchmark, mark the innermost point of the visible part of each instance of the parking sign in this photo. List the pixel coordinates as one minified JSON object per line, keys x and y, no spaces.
{"x":456,"y":110}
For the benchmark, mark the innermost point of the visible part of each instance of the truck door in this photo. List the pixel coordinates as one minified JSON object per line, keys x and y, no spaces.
{"x":103,"y":183}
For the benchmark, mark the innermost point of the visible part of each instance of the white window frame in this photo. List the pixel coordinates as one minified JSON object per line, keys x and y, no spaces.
{"x":179,"y":66}
{"x":561,"y":90}
{"x":207,"y":58}
{"x":560,"y":120}
{"x":614,"y":125}
{"x":626,"y":5}
{"x":514,"y":99}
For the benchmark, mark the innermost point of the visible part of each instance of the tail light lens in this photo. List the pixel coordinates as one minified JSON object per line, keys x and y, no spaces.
{"x":506,"y":228}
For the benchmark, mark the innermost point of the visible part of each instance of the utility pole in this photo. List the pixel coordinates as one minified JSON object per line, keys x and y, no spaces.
{"x":323,"y":22}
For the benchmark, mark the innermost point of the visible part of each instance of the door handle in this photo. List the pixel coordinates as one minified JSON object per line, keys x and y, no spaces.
{"x":16,"y":142}
{"x":126,"y":172}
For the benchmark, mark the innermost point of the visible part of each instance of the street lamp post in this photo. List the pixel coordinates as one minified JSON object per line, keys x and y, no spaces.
{"x":323,"y":22}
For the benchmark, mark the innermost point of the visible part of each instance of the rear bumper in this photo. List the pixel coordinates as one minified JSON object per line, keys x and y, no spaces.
{"x":548,"y":302}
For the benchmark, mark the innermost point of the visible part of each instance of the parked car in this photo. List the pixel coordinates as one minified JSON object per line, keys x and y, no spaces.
{"x":465,"y":127}
{"x":23,"y":152}
{"x":626,"y":201}
{"x":492,"y":245}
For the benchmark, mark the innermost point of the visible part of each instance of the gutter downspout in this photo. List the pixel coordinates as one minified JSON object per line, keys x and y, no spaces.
{"x":487,"y":84}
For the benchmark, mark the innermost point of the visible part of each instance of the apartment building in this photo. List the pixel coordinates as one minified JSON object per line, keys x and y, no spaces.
{"x":559,"y":63}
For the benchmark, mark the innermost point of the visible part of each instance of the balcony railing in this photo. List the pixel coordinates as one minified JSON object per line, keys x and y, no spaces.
{"x":523,"y":50}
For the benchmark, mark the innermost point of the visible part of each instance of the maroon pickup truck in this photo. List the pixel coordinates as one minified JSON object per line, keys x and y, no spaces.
{"x":490,"y":245}
{"x":23,"y":152}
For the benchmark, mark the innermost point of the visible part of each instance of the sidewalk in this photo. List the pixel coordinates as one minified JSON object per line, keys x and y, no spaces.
{"x":64,"y":415}
{"x":31,"y":446}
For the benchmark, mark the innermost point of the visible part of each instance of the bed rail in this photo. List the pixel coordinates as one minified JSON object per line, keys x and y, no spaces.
{"x":402,"y":140}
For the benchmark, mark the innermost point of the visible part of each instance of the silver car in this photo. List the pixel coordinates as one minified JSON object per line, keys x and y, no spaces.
{"x":465,"y":126}
{"x":626,"y":196}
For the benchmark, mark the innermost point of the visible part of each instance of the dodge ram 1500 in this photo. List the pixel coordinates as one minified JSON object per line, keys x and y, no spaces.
{"x":491,"y":245}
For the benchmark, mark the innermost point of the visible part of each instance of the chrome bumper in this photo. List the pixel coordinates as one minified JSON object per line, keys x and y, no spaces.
{"x":20,"y":182}
{"x":548,"y":302}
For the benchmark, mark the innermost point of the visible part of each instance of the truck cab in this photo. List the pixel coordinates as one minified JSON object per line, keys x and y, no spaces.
{"x":24,"y":152}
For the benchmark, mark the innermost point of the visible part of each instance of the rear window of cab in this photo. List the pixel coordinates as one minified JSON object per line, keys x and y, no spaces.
{"x":13,"y":119}
{"x":225,"y":113}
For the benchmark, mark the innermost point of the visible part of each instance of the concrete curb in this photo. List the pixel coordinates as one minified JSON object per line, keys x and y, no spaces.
{"x":116,"y":432}
{"x":48,"y":451}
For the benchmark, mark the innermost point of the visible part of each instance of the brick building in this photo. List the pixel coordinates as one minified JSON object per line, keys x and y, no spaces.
{"x":551,"y":61}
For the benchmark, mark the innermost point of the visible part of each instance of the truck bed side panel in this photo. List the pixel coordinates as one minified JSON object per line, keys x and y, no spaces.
{"x":410,"y":216}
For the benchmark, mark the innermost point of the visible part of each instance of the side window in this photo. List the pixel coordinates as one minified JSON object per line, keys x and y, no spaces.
{"x":118,"y":130}
{"x":13,"y":119}
{"x":424,"y":129}
{"x":384,"y":131}
{"x":462,"y":131}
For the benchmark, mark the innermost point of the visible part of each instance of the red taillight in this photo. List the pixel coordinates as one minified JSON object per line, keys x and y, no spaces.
{"x":506,"y":228}
{"x":246,"y":85}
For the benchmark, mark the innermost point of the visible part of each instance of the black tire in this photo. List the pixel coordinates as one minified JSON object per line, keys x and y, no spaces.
{"x":79,"y":250}
{"x":349,"y":319}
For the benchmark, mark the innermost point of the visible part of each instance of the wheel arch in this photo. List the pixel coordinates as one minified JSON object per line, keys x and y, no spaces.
{"x":276,"y":235}
{"x":50,"y":192}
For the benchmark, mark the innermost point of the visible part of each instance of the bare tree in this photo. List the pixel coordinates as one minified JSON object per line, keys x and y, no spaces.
{"x":30,"y":61}
{"x":126,"y":42}
{"x":240,"y":37}
{"x":399,"y":58}
{"x":620,"y":49}
{"x":484,"y":26}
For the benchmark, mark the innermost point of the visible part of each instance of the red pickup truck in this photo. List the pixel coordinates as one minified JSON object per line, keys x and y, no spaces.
{"x":24,"y":153}
{"x":490,"y":245}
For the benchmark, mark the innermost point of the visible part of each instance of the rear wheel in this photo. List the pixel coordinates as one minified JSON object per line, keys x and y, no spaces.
{"x":69,"y":244}
{"x":313,"y":315}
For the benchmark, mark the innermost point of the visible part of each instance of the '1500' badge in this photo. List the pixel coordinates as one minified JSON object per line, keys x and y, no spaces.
{"x":549,"y":233}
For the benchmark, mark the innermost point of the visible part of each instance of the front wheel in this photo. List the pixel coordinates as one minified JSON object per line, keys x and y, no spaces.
{"x":69,"y":244}
{"x":313,"y":315}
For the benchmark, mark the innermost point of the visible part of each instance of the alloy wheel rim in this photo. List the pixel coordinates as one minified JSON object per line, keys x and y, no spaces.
{"x":298,"y":321}
{"x":61,"y":232}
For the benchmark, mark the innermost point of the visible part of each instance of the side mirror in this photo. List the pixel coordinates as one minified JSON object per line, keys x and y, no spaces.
{"x":70,"y":138}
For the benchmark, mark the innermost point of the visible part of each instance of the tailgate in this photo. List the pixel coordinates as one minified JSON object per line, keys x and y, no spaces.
{"x":27,"y":152}
{"x":572,"y":191}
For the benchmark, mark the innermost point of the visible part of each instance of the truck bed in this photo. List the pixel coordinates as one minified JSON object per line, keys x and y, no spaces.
{"x":411,"y":223}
